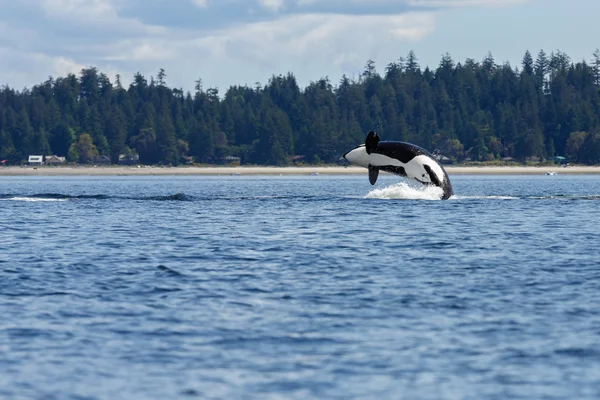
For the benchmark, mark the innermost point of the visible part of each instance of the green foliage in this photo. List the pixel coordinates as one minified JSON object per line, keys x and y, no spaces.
{"x":574,"y":145}
{"x":72,"y":154}
{"x":479,"y":111}
{"x":589,"y":153}
{"x":7,"y":149}
{"x":85,"y":148}
{"x":101,"y":144}
{"x":62,"y":137}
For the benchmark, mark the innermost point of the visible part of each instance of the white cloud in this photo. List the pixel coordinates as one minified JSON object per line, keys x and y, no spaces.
{"x":142,"y":50}
{"x":9,"y":32}
{"x":309,"y":45}
{"x":323,"y":35}
{"x":86,"y":16}
{"x":271,"y":5}
{"x":64,"y":66}
{"x":411,"y":3}
{"x":85,"y":8}
{"x":200,"y":3}
{"x":303,"y":38}
{"x":38,"y":64}
{"x":465,"y":3}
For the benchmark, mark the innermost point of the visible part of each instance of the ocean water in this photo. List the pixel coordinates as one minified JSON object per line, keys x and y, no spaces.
{"x":305,"y":287}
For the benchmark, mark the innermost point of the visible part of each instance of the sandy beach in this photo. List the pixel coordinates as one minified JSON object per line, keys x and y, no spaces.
{"x":339,"y":170}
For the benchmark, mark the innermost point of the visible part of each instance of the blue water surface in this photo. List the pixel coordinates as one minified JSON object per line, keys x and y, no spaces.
{"x":299,"y":287}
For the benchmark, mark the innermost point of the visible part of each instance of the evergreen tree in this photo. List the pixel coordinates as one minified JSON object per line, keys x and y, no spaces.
{"x":7,"y":149}
{"x":116,"y":134}
{"x":161,"y":77}
{"x":202,"y":145}
{"x":62,"y":136}
{"x":412,"y":64}
{"x":166,"y":141}
{"x":596,"y":67}
{"x":541,"y":69}
{"x":38,"y":143}
{"x":527,"y":63}
{"x":23,"y":135}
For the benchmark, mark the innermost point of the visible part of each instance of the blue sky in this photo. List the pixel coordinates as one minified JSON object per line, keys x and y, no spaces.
{"x":228,"y":42}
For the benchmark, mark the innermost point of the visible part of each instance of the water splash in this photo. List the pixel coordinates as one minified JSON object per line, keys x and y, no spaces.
{"x":404,"y":191}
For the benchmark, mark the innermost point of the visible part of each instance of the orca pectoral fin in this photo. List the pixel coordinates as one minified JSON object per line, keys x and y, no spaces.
{"x":373,"y":174}
{"x":432,"y":176}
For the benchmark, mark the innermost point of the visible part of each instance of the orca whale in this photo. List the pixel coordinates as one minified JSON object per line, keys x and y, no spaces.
{"x":400,"y":158}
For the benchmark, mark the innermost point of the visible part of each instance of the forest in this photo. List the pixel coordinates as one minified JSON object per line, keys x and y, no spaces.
{"x":474,"y":111}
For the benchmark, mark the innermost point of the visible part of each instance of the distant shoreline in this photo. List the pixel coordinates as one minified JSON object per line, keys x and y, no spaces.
{"x":264,"y":170}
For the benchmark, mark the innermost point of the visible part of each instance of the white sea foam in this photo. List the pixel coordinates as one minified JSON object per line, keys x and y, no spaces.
{"x":31,"y":199}
{"x":404,"y":191}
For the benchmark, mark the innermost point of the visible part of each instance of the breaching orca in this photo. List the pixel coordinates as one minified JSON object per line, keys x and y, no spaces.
{"x":400,"y":158}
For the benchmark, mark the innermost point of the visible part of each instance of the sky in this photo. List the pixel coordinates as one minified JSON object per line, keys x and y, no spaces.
{"x":241,"y":42}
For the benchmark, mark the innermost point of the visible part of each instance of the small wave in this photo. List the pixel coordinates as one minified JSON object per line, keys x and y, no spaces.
{"x":59,"y":196}
{"x":549,"y":197}
{"x":403,"y":191}
{"x":484,"y":197}
{"x":567,"y":197}
{"x":65,"y":197}
{"x":31,"y":199}
{"x":50,"y":197}
{"x":590,"y":197}
{"x":172,"y":197}
{"x":168,"y":270}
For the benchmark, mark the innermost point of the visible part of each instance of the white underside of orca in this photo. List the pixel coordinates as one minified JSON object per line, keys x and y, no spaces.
{"x":414,"y":169}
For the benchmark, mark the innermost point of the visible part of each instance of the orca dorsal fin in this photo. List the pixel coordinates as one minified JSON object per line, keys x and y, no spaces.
{"x":373,"y":174}
{"x":371,"y":141}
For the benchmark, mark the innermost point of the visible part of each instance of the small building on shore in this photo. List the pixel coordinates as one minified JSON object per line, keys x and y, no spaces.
{"x":36,"y":160}
{"x":104,"y":160}
{"x":230,"y":160}
{"x":560,"y":160}
{"x":443,"y":159}
{"x":129,"y":159}
{"x":54,"y":160}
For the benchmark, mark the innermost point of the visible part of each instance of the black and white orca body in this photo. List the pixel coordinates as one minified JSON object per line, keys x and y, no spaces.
{"x":400,"y":158}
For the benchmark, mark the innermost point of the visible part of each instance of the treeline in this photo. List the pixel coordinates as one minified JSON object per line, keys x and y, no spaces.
{"x":481,"y":111}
